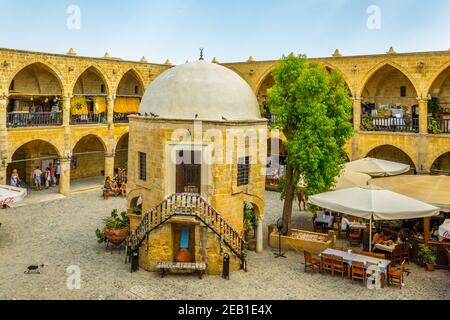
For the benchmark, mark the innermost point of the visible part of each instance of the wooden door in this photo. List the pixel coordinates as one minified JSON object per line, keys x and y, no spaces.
{"x":189,"y":176}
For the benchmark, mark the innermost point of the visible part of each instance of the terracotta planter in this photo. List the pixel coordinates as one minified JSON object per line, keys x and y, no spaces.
{"x":429,"y":267}
{"x":117,"y":236}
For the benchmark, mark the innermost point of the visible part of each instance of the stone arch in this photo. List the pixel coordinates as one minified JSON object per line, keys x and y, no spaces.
{"x":441,"y":162}
{"x":135,"y":202}
{"x":391,"y":153}
{"x":139,"y":80}
{"x":31,"y":154}
{"x":347,"y":81}
{"x":439,"y":73}
{"x":267,"y":73}
{"x":121,"y":151}
{"x":379,"y":67}
{"x":46,"y":65}
{"x":88,"y":157}
{"x":97,"y":71}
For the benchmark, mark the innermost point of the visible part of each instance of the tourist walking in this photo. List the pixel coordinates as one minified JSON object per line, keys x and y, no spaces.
{"x":37,"y":173}
{"x":58,"y":171}
{"x":15,"y":179}
{"x":52,"y":175}
{"x":301,"y":200}
{"x":48,"y":178}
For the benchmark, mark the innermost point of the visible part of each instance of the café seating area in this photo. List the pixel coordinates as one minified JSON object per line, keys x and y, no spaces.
{"x":373,"y":270}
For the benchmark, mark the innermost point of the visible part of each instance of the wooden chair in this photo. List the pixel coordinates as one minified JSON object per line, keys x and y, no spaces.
{"x":396,"y":255}
{"x":395,"y":277}
{"x":354,"y":236}
{"x":327,"y":263}
{"x":338,"y":265}
{"x":311,"y":262}
{"x":405,"y":253}
{"x":359,"y":271}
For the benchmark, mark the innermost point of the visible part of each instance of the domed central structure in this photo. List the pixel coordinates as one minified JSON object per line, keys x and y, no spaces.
{"x":201,"y":90}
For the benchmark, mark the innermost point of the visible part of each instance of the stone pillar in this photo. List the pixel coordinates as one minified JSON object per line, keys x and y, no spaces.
{"x":259,"y":235}
{"x":64,"y":184}
{"x":423,"y":115}
{"x":3,"y":138}
{"x":109,"y":165}
{"x":357,"y":113}
{"x":110,"y":108}
{"x":66,"y":110}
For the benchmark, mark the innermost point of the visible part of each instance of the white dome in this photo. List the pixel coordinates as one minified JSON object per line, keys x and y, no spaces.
{"x":200,"y":88}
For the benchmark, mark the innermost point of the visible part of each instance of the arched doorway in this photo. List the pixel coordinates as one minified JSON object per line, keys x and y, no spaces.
{"x":88,"y":158}
{"x":391,"y":153}
{"x":28,"y":157}
{"x":136,"y":206}
{"x":121,"y":157}
{"x":35,"y":98}
{"x":439,"y":105}
{"x":128,"y":96}
{"x":89,"y":102}
{"x":442,"y":164}
{"x":389,"y":102}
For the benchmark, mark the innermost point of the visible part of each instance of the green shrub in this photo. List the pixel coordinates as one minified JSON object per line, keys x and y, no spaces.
{"x":426,"y":255}
{"x":115,"y":221}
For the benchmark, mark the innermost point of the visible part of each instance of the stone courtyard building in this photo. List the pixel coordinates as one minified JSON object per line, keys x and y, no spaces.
{"x":73,"y":108}
{"x":200,"y":133}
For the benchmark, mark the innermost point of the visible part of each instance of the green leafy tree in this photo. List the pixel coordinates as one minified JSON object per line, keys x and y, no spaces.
{"x":314,"y":110}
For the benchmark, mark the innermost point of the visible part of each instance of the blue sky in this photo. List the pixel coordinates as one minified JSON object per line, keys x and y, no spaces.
{"x":232,"y":30}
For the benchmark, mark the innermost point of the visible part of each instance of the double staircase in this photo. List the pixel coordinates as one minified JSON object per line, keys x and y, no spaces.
{"x":193,"y":206}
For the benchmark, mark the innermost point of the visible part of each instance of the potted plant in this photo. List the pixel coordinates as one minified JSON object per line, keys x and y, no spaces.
{"x":426,"y":256}
{"x":115,"y":230}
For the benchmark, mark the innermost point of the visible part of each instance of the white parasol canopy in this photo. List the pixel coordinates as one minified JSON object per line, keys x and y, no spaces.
{"x":374,"y":203}
{"x":444,"y":230}
{"x":350,"y":179}
{"x":10,"y":195}
{"x":377,"y":167}
{"x":434,"y":190}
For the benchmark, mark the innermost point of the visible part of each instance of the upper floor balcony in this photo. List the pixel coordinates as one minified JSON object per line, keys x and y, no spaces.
{"x":34,"y":119}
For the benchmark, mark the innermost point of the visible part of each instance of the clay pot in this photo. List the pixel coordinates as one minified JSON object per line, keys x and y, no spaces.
{"x":117,"y":236}
{"x":183,"y":256}
{"x":429,"y":267}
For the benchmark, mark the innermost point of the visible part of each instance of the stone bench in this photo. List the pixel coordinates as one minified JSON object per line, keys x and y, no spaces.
{"x":194,"y":267}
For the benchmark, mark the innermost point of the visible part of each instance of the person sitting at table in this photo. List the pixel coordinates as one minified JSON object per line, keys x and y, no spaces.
{"x":416,"y":228}
{"x":345,"y":224}
{"x":379,"y":238}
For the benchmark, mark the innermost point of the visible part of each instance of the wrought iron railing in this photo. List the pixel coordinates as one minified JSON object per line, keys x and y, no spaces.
{"x":34,"y":119}
{"x":89,"y":118}
{"x":189,"y":205}
{"x":439,"y":126}
{"x":390,"y":124}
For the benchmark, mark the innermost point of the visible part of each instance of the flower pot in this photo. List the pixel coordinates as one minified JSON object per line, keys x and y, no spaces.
{"x":429,"y":267}
{"x":117,"y":236}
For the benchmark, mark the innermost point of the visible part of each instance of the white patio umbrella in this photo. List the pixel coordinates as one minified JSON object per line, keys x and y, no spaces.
{"x":377,"y":167}
{"x":10,"y":195}
{"x":374,"y":204}
{"x":350,"y":179}
{"x":444,"y":230}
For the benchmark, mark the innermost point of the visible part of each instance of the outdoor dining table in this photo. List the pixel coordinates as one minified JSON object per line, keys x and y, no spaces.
{"x":384,"y":247}
{"x":350,"y":257}
{"x":324,"y":219}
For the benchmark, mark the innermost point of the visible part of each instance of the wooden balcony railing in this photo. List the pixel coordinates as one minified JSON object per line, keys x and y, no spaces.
{"x":89,"y":118}
{"x":34,"y":119}
{"x":273,"y":118}
{"x":390,"y":124}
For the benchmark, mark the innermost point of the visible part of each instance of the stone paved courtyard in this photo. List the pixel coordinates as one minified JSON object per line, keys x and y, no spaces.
{"x":62,"y":233}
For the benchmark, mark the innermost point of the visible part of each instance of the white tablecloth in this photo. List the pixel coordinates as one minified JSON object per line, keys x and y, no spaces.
{"x":350,"y":257}
{"x":322,"y":218}
{"x":384,"y":247}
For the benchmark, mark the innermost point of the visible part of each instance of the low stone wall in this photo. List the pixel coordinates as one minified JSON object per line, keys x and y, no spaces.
{"x":292,"y":243}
